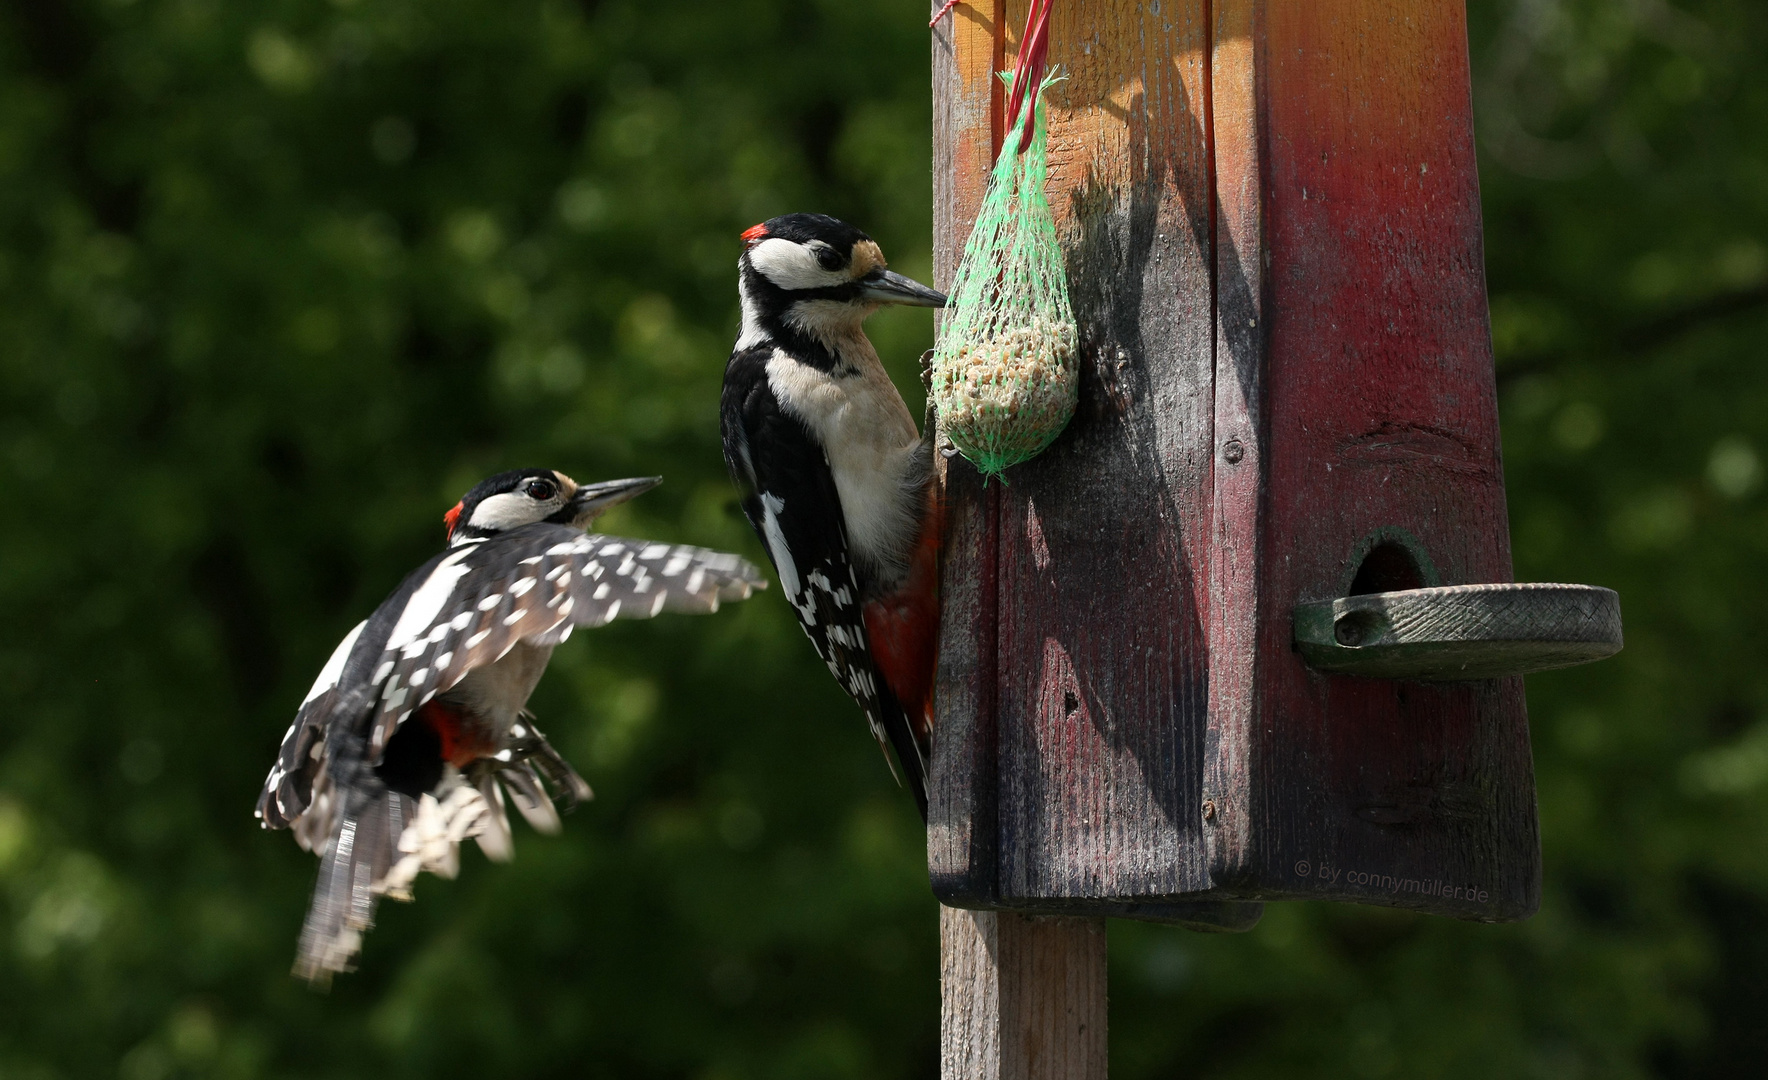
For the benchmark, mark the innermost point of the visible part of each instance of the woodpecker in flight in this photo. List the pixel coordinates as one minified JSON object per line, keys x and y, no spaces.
{"x":833,"y":475}
{"x":418,"y":725}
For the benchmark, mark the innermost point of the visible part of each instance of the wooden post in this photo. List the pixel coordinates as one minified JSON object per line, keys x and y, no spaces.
{"x":1023,"y":995}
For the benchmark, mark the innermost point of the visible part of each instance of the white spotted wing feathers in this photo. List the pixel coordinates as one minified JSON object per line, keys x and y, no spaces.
{"x":536,"y":584}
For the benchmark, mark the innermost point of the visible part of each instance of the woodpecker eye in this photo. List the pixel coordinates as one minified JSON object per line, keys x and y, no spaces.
{"x":827,"y":257}
{"x":541,"y":490}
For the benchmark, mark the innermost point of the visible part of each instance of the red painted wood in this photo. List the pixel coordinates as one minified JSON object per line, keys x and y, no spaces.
{"x":1379,"y":410}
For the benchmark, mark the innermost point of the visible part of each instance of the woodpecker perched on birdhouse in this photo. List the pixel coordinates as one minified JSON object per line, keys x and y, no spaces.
{"x":417,"y":725}
{"x":834,"y":477}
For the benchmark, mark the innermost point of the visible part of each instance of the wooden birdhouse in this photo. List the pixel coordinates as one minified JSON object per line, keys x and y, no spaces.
{"x":1246,"y":630}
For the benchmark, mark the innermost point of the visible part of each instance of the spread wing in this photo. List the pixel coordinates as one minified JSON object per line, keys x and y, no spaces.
{"x":301,"y":779}
{"x":790,"y":498}
{"x":288,"y":791}
{"x":535,"y":584}
{"x":468,"y":607}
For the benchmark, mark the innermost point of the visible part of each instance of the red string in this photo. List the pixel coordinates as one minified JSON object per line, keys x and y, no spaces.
{"x":1028,"y":71}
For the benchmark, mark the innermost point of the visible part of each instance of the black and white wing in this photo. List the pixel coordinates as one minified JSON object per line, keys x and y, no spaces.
{"x":468,"y":607}
{"x":289,"y":790}
{"x":535,"y":584}
{"x":790,"y":498}
{"x":300,"y":781}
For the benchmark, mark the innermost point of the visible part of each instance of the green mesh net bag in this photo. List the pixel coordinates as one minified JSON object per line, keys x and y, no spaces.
{"x":1005,"y":370}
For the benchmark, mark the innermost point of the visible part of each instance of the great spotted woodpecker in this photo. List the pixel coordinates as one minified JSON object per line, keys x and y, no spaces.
{"x":833,"y":475}
{"x":418,"y":725}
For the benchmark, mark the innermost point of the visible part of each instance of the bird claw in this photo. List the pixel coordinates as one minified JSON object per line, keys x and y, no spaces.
{"x":569,"y":789}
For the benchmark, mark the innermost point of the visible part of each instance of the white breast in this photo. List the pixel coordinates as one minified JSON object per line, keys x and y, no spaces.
{"x":869,"y":439}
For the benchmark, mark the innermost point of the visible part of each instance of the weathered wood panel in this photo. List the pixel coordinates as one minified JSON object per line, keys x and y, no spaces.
{"x":1378,"y":412}
{"x":1238,"y":192}
{"x":1102,"y":688}
{"x":1068,"y":758}
{"x":961,"y":819}
{"x":1024,"y":997}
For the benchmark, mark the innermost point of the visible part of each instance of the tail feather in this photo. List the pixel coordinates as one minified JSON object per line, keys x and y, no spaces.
{"x":379,"y":842}
{"x":909,"y":750}
{"x":358,"y":856}
{"x":431,"y":843}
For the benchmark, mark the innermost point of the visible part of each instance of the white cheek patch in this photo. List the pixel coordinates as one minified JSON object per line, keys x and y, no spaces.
{"x":507,"y":511}
{"x":793,"y":266}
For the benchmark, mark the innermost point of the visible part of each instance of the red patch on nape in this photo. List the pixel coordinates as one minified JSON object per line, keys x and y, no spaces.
{"x":754,"y":233}
{"x":452,"y":518}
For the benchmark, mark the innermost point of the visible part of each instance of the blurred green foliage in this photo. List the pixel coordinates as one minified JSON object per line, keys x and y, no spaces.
{"x":278,"y":280}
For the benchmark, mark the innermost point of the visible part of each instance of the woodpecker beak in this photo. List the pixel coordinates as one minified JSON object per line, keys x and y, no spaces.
{"x":591,"y":499}
{"x":888,"y":287}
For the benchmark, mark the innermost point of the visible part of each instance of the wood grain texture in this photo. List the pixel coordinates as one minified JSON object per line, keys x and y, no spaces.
{"x":1102,"y":688}
{"x":970,"y":995}
{"x":1068,"y":764}
{"x":962,"y":830}
{"x":1458,"y":632}
{"x":1024,"y":997}
{"x":1071,"y":729}
{"x":1372,"y":373}
{"x":1237,"y":190}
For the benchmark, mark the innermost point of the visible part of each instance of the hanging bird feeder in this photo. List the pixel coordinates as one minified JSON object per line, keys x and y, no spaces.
{"x":1005,"y":377}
